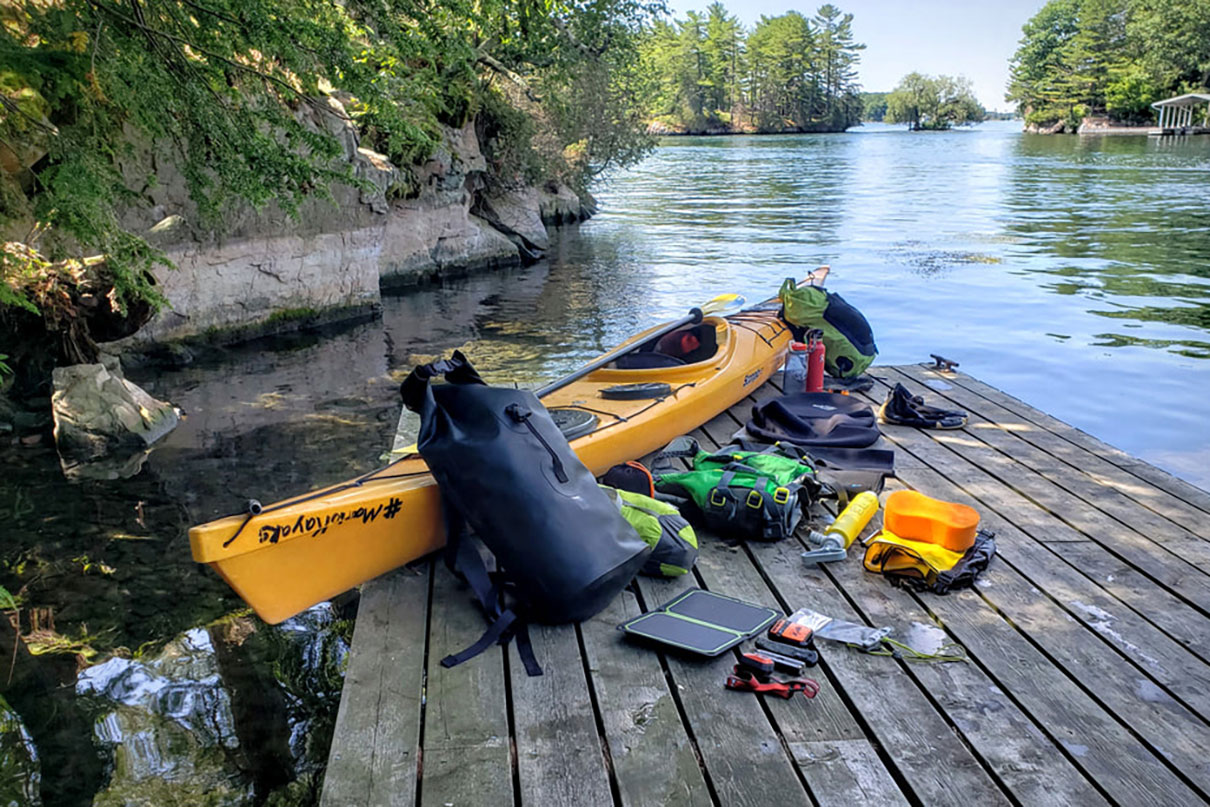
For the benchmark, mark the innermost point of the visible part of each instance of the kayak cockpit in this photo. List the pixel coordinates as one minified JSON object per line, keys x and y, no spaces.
{"x":688,"y":344}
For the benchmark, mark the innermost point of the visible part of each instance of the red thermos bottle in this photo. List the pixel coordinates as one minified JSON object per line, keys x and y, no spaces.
{"x":815,"y":362}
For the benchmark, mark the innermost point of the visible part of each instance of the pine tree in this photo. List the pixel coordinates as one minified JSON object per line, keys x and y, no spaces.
{"x":724,"y":38}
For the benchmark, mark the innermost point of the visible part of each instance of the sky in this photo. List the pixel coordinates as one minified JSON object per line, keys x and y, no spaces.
{"x":975,"y":38}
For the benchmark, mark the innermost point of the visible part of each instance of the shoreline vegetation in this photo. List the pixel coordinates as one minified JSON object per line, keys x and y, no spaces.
{"x":139,"y":142}
{"x":1084,"y":62}
{"x":706,"y":74}
{"x":137,"y":139}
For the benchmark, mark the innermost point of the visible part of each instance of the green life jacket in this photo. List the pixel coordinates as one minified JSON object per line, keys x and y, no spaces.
{"x":741,"y":493}
{"x":847,"y":339}
{"x":673,"y":542}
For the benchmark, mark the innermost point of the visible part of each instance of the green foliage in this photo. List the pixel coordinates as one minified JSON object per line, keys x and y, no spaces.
{"x":1111,"y":57}
{"x":509,"y":139}
{"x":933,"y":102}
{"x":789,"y":72}
{"x":873,"y":105}
{"x":1129,"y":93}
{"x":1171,"y":42}
{"x":285,"y":315}
{"x":251,"y":99}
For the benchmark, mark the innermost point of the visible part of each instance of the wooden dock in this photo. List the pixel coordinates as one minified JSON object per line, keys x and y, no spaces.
{"x":1088,"y":681}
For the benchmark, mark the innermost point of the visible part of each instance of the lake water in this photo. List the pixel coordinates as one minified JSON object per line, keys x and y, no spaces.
{"x":1072,"y":272}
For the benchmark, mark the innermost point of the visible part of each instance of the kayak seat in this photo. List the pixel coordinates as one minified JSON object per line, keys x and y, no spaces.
{"x":646,"y":361}
{"x":686,"y":345}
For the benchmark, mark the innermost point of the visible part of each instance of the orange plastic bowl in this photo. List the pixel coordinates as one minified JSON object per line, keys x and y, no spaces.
{"x":917,"y":517}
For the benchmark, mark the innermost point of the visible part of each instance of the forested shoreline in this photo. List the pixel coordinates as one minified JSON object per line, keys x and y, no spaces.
{"x":1113,"y":58}
{"x":209,"y":115}
{"x":251,"y":104}
{"x":707,"y":74}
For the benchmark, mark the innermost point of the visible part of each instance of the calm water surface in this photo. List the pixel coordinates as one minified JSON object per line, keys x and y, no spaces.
{"x":1071,"y":272}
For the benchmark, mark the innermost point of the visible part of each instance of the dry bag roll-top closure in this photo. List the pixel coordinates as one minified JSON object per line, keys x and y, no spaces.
{"x":562,"y":549}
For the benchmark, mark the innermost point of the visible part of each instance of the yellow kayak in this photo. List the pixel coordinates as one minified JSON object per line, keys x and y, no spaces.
{"x":295,"y":553}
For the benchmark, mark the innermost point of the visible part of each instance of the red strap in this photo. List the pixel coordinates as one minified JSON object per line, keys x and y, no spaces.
{"x":650,"y":479}
{"x":786,"y":689}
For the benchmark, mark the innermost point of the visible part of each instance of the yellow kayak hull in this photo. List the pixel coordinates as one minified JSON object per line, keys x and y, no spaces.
{"x":308,"y":549}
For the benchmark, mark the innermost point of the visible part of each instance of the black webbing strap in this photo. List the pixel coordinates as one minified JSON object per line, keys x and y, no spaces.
{"x":526,"y":650}
{"x":463,"y":559}
{"x":683,"y":447}
{"x":496,"y":632}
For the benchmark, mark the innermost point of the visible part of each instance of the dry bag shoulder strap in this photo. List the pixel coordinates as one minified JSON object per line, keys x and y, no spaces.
{"x":463,"y":559}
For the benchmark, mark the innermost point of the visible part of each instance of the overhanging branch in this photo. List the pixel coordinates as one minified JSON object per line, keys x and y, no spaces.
{"x":495,"y":64}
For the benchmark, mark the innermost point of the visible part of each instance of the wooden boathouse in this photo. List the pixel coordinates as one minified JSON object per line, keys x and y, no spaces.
{"x":1183,"y":115}
{"x":1088,"y":680}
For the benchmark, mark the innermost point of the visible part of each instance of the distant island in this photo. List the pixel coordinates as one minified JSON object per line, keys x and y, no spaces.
{"x":928,"y":103}
{"x":790,"y":73}
{"x":874,"y":110}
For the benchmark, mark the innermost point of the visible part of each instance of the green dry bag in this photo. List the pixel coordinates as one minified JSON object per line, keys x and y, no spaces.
{"x":847,"y":339}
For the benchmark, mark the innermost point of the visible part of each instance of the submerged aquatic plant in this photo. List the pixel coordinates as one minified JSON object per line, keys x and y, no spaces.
{"x":45,"y":642}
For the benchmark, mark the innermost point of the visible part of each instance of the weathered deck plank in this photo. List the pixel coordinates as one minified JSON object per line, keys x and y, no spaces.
{"x":1016,"y":753}
{"x":1173,"y":616}
{"x":1147,"y":473}
{"x":1051,"y":446}
{"x":742,"y":752}
{"x":1045,"y":565}
{"x":1088,"y":680}
{"x":467,"y":753}
{"x":375,"y":748}
{"x":1131,"y":705}
{"x":654,"y":759}
{"x":1057,"y":514}
{"x":559,"y":753}
{"x":1102,"y":494}
{"x":850,"y":771}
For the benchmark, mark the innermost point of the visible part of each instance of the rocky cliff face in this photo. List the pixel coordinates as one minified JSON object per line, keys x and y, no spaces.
{"x":270,"y":271}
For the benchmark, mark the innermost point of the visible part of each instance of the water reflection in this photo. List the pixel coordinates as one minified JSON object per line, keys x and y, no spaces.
{"x":188,"y":696}
{"x":20,"y":772}
{"x":222,"y":715}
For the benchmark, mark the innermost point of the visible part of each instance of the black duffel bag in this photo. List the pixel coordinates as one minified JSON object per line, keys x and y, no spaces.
{"x":505,"y":470}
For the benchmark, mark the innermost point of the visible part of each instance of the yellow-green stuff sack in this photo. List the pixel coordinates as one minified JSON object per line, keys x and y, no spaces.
{"x":661,"y":526}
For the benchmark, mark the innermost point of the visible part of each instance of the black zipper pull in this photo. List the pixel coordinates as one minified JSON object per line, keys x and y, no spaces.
{"x":522,"y":415}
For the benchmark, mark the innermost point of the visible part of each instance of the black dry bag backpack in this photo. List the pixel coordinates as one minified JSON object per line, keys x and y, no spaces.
{"x":562,"y":549}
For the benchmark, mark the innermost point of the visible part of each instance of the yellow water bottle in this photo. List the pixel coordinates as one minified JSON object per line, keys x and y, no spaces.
{"x":830,"y":545}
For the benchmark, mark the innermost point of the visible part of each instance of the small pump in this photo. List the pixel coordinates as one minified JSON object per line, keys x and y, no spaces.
{"x":832,"y":543}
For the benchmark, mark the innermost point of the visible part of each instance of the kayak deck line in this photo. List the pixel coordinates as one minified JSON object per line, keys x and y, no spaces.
{"x":1083,"y":626}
